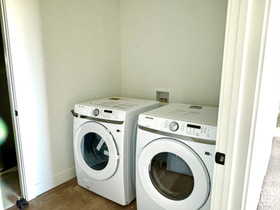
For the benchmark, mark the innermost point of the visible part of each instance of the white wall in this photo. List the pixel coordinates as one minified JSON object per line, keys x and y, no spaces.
{"x":82,"y":55}
{"x":63,"y":52}
{"x":175,"y":45}
{"x":81,"y":45}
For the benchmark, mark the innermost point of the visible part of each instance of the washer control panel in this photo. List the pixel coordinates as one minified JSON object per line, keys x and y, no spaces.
{"x":99,"y":112}
{"x":183,"y":128}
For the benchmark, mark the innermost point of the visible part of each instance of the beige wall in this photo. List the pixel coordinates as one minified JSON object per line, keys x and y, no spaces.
{"x":82,"y":61}
{"x":175,"y":45}
{"x":63,"y":52}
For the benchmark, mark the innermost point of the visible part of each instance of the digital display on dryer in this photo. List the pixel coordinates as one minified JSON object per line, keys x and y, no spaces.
{"x":108,"y":111}
{"x":193,"y":126}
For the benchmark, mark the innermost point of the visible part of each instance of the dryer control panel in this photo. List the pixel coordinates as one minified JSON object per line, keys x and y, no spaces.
{"x":178,"y":127}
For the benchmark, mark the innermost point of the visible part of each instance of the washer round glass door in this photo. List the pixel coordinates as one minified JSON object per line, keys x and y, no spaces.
{"x":96,"y":151}
{"x":173,"y":175}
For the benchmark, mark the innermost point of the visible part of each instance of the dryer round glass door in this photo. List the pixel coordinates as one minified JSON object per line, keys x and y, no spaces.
{"x":173,"y":175}
{"x":96,"y":151}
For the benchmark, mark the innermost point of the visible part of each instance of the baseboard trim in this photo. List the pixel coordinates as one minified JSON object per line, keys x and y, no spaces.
{"x":58,"y":179}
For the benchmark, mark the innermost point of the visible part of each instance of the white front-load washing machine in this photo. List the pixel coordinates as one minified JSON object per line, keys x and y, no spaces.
{"x":104,"y":145}
{"x":175,"y":157}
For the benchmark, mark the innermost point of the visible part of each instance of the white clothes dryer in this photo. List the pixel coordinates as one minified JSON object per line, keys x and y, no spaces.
{"x":104,"y":145}
{"x":175,"y":157}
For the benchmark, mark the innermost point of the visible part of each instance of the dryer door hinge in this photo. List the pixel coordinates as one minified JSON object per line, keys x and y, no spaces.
{"x":220,"y":158}
{"x":16,"y":113}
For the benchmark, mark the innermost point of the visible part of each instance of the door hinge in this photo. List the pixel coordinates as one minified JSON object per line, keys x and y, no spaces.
{"x":16,"y":113}
{"x":220,"y":158}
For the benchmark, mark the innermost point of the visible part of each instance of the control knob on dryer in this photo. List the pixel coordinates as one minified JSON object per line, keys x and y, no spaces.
{"x":96,"y":112}
{"x":173,"y":126}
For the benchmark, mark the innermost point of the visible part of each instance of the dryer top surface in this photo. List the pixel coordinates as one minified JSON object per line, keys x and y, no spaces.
{"x":120,"y":103}
{"x":203,"y":115}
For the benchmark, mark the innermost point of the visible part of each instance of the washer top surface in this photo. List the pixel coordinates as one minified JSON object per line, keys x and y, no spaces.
{"x":204,"y":115}
{"x":119,"y":103}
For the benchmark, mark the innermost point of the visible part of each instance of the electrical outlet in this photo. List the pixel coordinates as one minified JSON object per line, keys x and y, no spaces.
{"x":162,"y":96}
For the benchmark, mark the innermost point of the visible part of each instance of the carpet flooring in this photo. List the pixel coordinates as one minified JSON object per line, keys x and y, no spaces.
{"x":270,"y":195}
{"x":70,"y":196}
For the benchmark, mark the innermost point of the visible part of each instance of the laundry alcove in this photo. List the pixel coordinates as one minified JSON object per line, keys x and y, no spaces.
{"x":67,"y":51}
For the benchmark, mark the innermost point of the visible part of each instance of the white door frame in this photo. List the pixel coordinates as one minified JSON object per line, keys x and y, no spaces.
{"x":12,"y":95}
{"x":241,"y":80}
{"x":266,"y":115}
